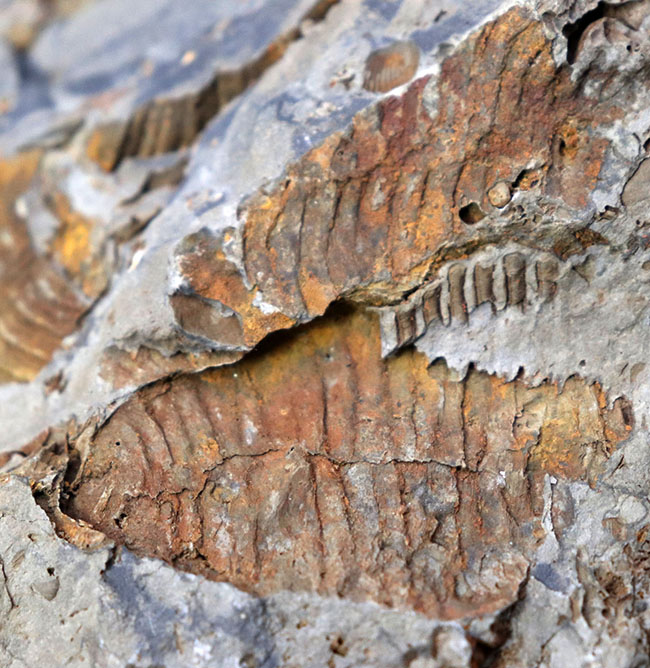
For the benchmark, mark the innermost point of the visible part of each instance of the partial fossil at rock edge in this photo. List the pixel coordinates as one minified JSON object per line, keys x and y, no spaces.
{"x":164,"y":125}
{"x":39,"y":306}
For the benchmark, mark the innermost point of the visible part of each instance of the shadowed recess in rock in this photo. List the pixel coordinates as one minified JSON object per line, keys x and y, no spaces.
{"x":316,"y":465}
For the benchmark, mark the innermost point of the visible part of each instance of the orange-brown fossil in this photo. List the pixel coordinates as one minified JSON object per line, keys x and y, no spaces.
{"x":374,"y":211}
{"x":391,"y":66}
{"x":39,"y":306}
{"x":316,"y":465}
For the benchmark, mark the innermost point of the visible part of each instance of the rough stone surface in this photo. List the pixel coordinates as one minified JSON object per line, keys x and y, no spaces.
{"x":323,"y":329}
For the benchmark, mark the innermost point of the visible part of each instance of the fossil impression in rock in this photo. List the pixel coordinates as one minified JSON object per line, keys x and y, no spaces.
{"x":391,"y":66}
{"x":316,"y":463}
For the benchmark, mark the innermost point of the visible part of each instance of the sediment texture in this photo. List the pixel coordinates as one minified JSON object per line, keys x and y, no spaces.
{"x":323,"y":331}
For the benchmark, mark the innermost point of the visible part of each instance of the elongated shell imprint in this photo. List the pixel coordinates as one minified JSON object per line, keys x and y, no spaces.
{"x":391,"y":66}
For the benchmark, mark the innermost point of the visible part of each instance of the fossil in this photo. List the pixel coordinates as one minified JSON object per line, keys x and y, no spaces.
{"x":370,"y":478}
{"x":374,"y":211}
{"x":464,"y":286}
{"x":391,"y":66}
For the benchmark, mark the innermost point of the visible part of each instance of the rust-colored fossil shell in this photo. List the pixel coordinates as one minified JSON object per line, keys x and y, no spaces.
{"x":391,"y":66}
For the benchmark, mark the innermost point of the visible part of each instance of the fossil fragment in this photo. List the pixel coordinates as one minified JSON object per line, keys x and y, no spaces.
{"x":391,"y":66}
{"x":39,"y":306}
{"x":457,"y":304}
{"x":162,"y":125}
{"x":465,"y":288}
{"x":515,"y":268}
{"x":546,"y":272}
{"x":483,"y":284}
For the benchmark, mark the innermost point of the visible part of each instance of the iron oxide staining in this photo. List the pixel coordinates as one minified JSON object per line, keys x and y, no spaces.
{"x":391,"y":66}
{"x":316,"y":465}
{"x":516,"y":279}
